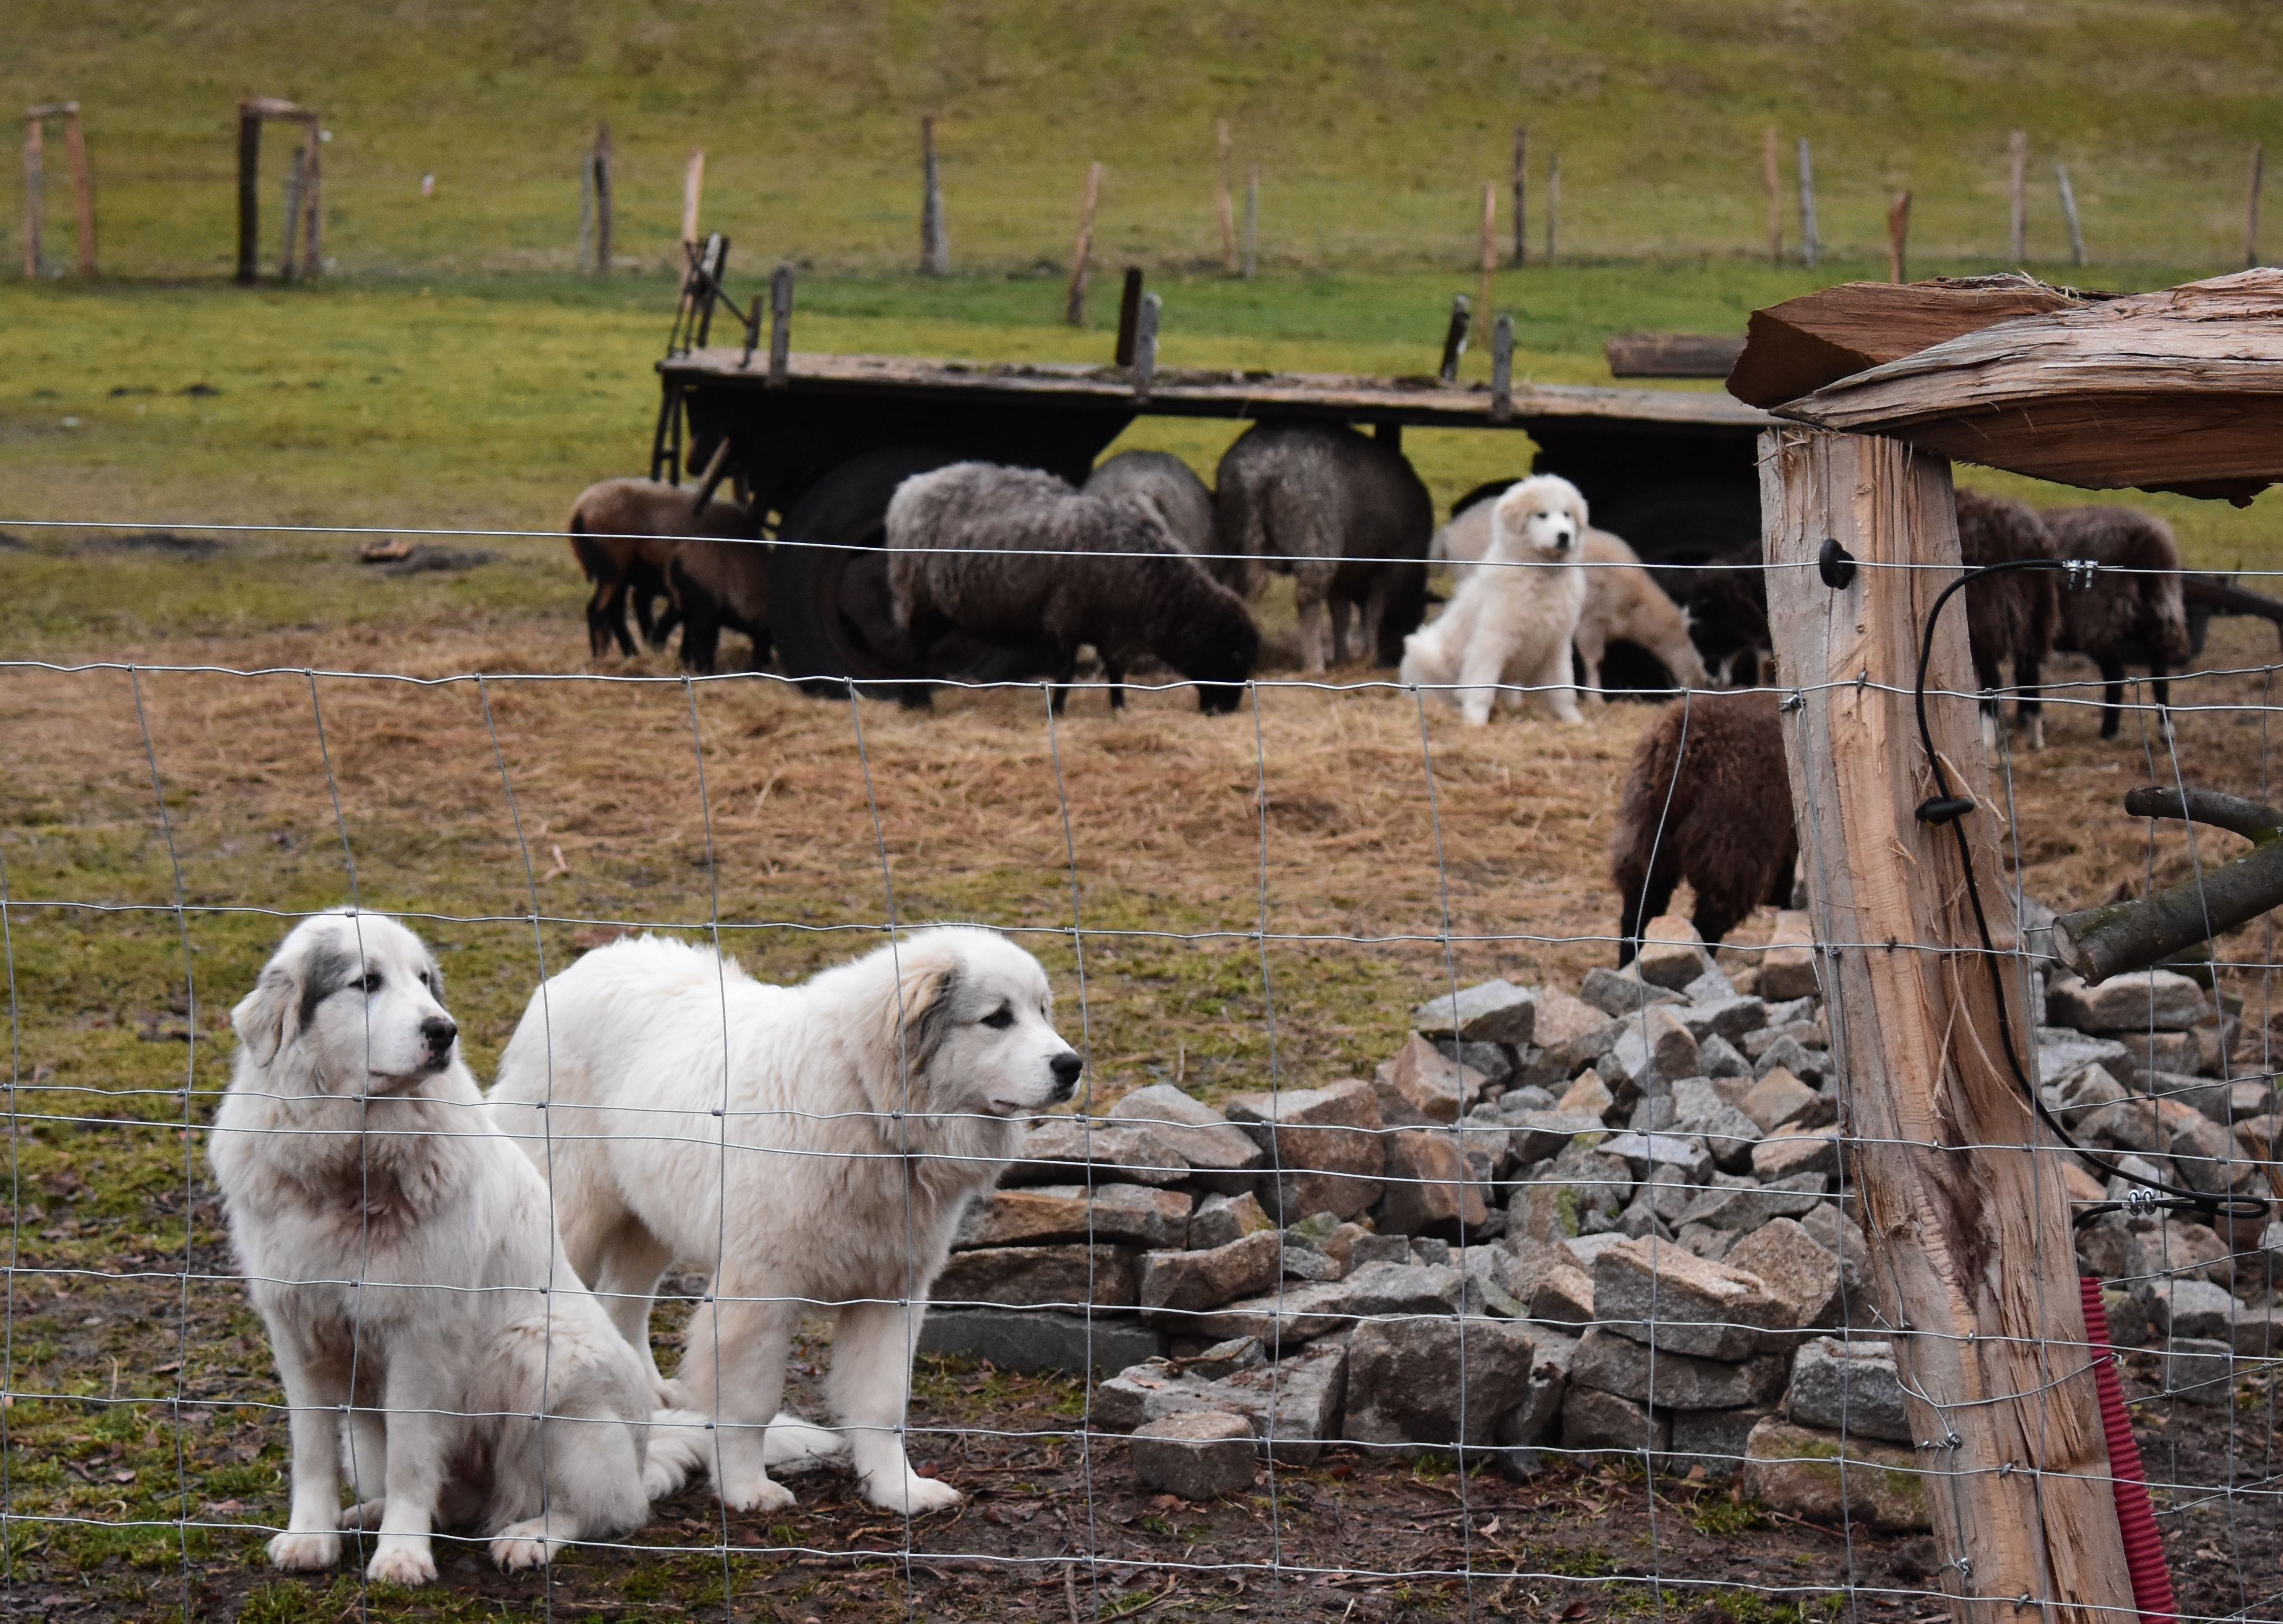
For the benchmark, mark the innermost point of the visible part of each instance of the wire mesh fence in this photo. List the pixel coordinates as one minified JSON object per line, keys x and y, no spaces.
{"x":1198,"y":1164}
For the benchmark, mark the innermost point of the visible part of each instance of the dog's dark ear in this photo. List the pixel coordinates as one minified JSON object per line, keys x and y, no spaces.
{"x":261,"y":1015}
{"x":929,"y":991}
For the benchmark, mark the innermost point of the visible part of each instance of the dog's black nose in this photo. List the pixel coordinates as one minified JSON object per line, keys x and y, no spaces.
{"x":1065,"y":1067}
{"x":437,"y":1032}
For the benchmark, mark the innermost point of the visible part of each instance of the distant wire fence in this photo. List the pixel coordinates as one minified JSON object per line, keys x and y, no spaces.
{"x":1638,"y":1283}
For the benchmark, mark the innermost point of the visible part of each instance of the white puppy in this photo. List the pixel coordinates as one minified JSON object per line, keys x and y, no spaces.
{"x":819,"y":1156}
{"x":401,"y":1254}
{"x":1511,"y":627}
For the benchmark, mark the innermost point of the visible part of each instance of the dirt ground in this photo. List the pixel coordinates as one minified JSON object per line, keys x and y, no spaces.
{"x":1219,"y":901}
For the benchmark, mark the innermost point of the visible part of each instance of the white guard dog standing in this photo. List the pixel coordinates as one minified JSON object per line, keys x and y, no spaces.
{"x":402,"y":1258}
{"x":1507,"y":626}
{"x":823,"y":1160}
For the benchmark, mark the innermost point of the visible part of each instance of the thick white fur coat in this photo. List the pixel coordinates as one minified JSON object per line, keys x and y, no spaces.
{"x":1508,"y":628}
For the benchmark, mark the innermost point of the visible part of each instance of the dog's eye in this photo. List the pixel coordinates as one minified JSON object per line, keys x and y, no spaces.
{"x":1000,"y":1018}
{"x":372,"y":982}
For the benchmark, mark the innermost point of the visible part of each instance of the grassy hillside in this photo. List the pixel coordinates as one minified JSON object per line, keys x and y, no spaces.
{"x":1374,"y":124}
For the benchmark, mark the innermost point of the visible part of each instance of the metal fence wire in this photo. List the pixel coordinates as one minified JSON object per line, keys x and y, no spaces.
{"x":1399,"y":1256}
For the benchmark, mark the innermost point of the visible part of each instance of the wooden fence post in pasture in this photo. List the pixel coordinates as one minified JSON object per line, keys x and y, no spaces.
{"x":935,"y":240}
{"x":2251,"y":205}
{"x":35,"y":192}
{"x":294,"y":171}
{"x":313,"y":198}
{"x":1145,"y":344}
{"x":2069,"y":214}
{"x":249,"y":194}
{"x":1129,"y":316}
{"x":1490,"y":246}
{"x":693,"y":191}
{"x":1774,"y":183}
{"x":1810,"y":245}
{"x":297,"y":254}
{"x":1082,"y":250}
{"x":2020,"y":196}
{"x":1454,"y":337}
{"x":1502,"y":368}
{"x":1967,"y":1220}
{"x":302,"y":199}
{"x":1223,"y":208}
{"x":1521,"y":196}
{"x":599,"y":161}
{"x":1899,"y":236}
{"x":1252,"y":222}
{"x":1552,"y":206}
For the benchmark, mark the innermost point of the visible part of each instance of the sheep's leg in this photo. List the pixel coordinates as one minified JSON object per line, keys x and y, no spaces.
{"x":1338,"y":608}
{"x":1787,"y":877}
{"x":701,"y":637}
{"x":1114,"y":670}
{"x":1638,"y":905}
{"x":606,"y":619}
{"x":1991,"y":718}
{"x":1066,"y":675}
{"x":2158,"y":674}
{"x":2112,"y":695}
{"x":1591,"y":647}
{"x":2029,"y":708}
{"x":1312,"y":637}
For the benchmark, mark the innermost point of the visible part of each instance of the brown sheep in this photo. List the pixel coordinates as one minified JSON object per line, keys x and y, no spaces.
{"x":2122,"y":620}
{"x":716,"y":584}
{"x":2011,"y":616}
{"x":622,"y":533}
{"x":1706,"y":800}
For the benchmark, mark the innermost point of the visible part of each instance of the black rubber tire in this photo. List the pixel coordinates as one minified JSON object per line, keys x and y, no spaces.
{"x":829,"y":614}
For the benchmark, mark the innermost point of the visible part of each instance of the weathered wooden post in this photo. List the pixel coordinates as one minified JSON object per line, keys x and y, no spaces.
{"x":1252,"y":222}
{"x":601,"y":160}
{"x":693,"y":194}
{"x":935,"y":240}
{"x":249,"y":193}
{"x":2251,"y":205}
{"x":2069,"y":214}
{"x":2020,"y":196}
{"x":35,"y":193}
{"x":1810,"y":245}
{"x":1552,"y":206}
{"x":1222,"y":207}
{"x":35,"y":179}
{"x":1521,"y":196}
{"x":1967,"y":1216}
{"x":1773,"y":181}
{"x":1490,"y":247}
{"x":1082,"y":250}
{"x":1899,"y":236}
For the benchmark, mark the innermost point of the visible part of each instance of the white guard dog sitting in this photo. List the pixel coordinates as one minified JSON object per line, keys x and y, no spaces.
{"x":1508,"y":627}
{"x":810,"y":1147}
{"x":419,"y":1305}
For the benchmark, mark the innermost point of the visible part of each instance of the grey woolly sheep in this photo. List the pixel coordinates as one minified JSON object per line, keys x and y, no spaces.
{"x":2122,"y":620}
{"x":1319,"y":499}
{"x":1166,"y":480}
{"x":1706,"y":800}
{"x":2009,"y":616}
{"x":972,"y":548}
{"x":718,"y":584}
{"x":622,"y":533}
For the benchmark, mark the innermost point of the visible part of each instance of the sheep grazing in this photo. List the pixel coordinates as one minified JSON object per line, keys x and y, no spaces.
{"x":2123,"y":619}
{"x":2012,"y":615}
{"x":623,"y":534}
{"x":1167,"y":482}
{"x":983,"y":551}
{"x":1325,"y":503}
{"x":1622,"y":603}
{"x":1707,"y":799}
{"x":718,"y":584}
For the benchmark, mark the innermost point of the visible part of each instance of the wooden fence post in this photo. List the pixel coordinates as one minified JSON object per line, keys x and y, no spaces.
{"x":249,"y":195}
{"x":1222,"y":205}
{"x":1898,"y":237}
{"x":1252,"y":222}
{"x":292,"y":231}
{"x":35,"y":194}
{"x":2020,"y":195}
{"x":601,"y":160}
{"x":2069,"y":214}
{"x":1502,"y":369}
{"x":1521,"y":196}
{"x":1552,"y":206}
{"x":1970,"y":1254}
{"x":82,"y":187}
{"x":935,"y":240}
{"x":1810,"y":245}
{"x":1129,"y":318}
{"x":2251,"y":205}
{"x":313,"y":201}
{"x":693,"y":193}
{"x":1454,"y":337}
{"x":1774,"y":181}
{"x":1490,"y":247}
{"x":1082,"y":250}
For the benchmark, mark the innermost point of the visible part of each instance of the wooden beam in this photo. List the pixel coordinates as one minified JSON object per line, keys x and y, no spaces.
{"x":1971,"y":1260}
{"x":1672,"y":355}
{"x":2177,"y":390}
{"x":1799,"y":346}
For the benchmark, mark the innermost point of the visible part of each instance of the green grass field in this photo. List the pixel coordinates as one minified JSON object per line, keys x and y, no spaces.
{"x":1374,"y":126}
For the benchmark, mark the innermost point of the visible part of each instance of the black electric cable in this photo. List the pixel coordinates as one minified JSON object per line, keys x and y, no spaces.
{"x":1946,"y":807}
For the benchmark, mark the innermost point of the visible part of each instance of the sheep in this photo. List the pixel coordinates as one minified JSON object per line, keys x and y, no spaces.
{"x":1164,"y":479}
{"x":623,"y":534}
{"x":716,"y":584}
{"x":1707,"y":799}
{"x":1622,"y":602}
{"x":972,"y":548}
{"x":2122,"y":618}
{"x":1327,"y":503}
{"x":2013,"y":615}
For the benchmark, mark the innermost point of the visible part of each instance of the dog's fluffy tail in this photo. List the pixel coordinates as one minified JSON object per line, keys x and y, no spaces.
{"x":681,"y":1447}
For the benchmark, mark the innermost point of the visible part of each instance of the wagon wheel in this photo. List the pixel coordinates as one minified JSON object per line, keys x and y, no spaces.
{"x":829,"y":611}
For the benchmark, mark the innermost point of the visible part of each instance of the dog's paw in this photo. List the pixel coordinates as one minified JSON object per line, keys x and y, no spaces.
{"x":402,"y":1559}
{"x":305,"y":1553}
{"x":760,"y":1494}
{"x":916,"y":1496}
{"x":524,"y":1545}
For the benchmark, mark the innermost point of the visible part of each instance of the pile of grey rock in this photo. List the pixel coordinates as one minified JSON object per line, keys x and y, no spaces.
{"x":1606,"y":1221}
